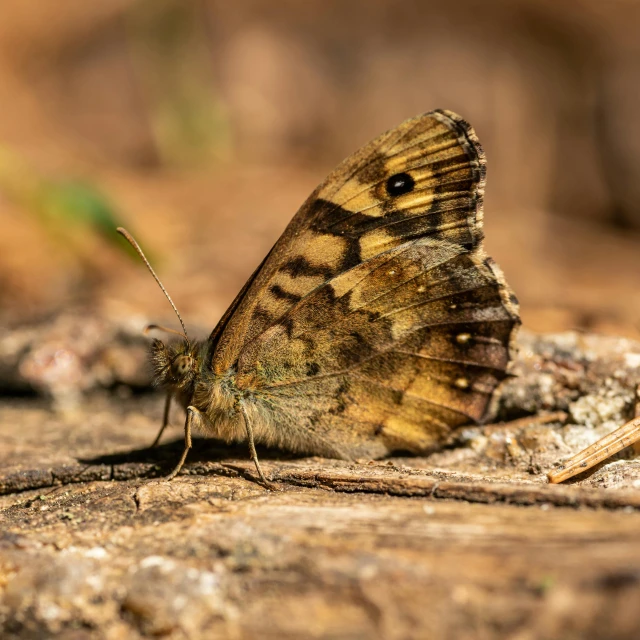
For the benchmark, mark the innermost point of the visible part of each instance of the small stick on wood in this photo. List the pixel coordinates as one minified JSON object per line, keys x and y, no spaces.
{"x":604,"y":448}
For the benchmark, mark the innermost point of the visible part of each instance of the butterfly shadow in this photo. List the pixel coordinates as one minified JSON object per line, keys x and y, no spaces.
{"x":159,"y":461}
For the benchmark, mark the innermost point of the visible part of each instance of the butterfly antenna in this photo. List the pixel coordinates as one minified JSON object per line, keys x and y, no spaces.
{"x":130,"y":239}
{"x":157,"y":327}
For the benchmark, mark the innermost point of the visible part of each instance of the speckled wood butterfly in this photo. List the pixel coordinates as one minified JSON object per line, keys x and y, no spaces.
{"x":375,"y":324}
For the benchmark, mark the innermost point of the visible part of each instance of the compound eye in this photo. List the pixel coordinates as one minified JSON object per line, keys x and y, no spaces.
{"x":181,"y":365}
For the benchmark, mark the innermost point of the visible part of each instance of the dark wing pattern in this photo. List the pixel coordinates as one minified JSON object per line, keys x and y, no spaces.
{"x":378,"y":323}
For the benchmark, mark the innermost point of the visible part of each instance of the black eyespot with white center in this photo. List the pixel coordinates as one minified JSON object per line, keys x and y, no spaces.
{"x":399,"y":184}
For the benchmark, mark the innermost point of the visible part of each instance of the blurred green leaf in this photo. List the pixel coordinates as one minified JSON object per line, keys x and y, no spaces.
{"x":61,"y":206}
{"x":77,"y":203}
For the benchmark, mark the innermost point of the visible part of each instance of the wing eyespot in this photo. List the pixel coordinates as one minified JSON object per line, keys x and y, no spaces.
{"x":399,"y":184}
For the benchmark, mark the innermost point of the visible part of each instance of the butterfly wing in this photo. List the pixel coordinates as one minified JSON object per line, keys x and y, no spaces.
{"x":377,"y":322}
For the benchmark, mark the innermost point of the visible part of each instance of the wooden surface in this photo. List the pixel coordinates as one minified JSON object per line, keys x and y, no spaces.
{"x":468,"y":543}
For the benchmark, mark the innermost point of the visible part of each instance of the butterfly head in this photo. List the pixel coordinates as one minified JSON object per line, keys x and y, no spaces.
{"x":175,"y":366}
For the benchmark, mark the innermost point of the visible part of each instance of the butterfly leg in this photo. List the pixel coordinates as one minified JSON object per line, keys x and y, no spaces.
{"x":165,"y":420}
{"x":252,"y":448}
{"x":192,"y":414}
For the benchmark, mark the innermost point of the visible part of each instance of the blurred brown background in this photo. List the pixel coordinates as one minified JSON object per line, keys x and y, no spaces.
{"x":202,"y":125}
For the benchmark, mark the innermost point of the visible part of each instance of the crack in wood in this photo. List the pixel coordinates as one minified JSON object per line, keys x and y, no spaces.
{"x":412,"y":483}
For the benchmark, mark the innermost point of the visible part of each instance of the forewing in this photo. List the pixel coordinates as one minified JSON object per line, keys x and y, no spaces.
{"x":352,"y":217}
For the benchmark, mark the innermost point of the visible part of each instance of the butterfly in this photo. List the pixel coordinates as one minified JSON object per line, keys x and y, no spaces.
{"x":375,"y":324}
